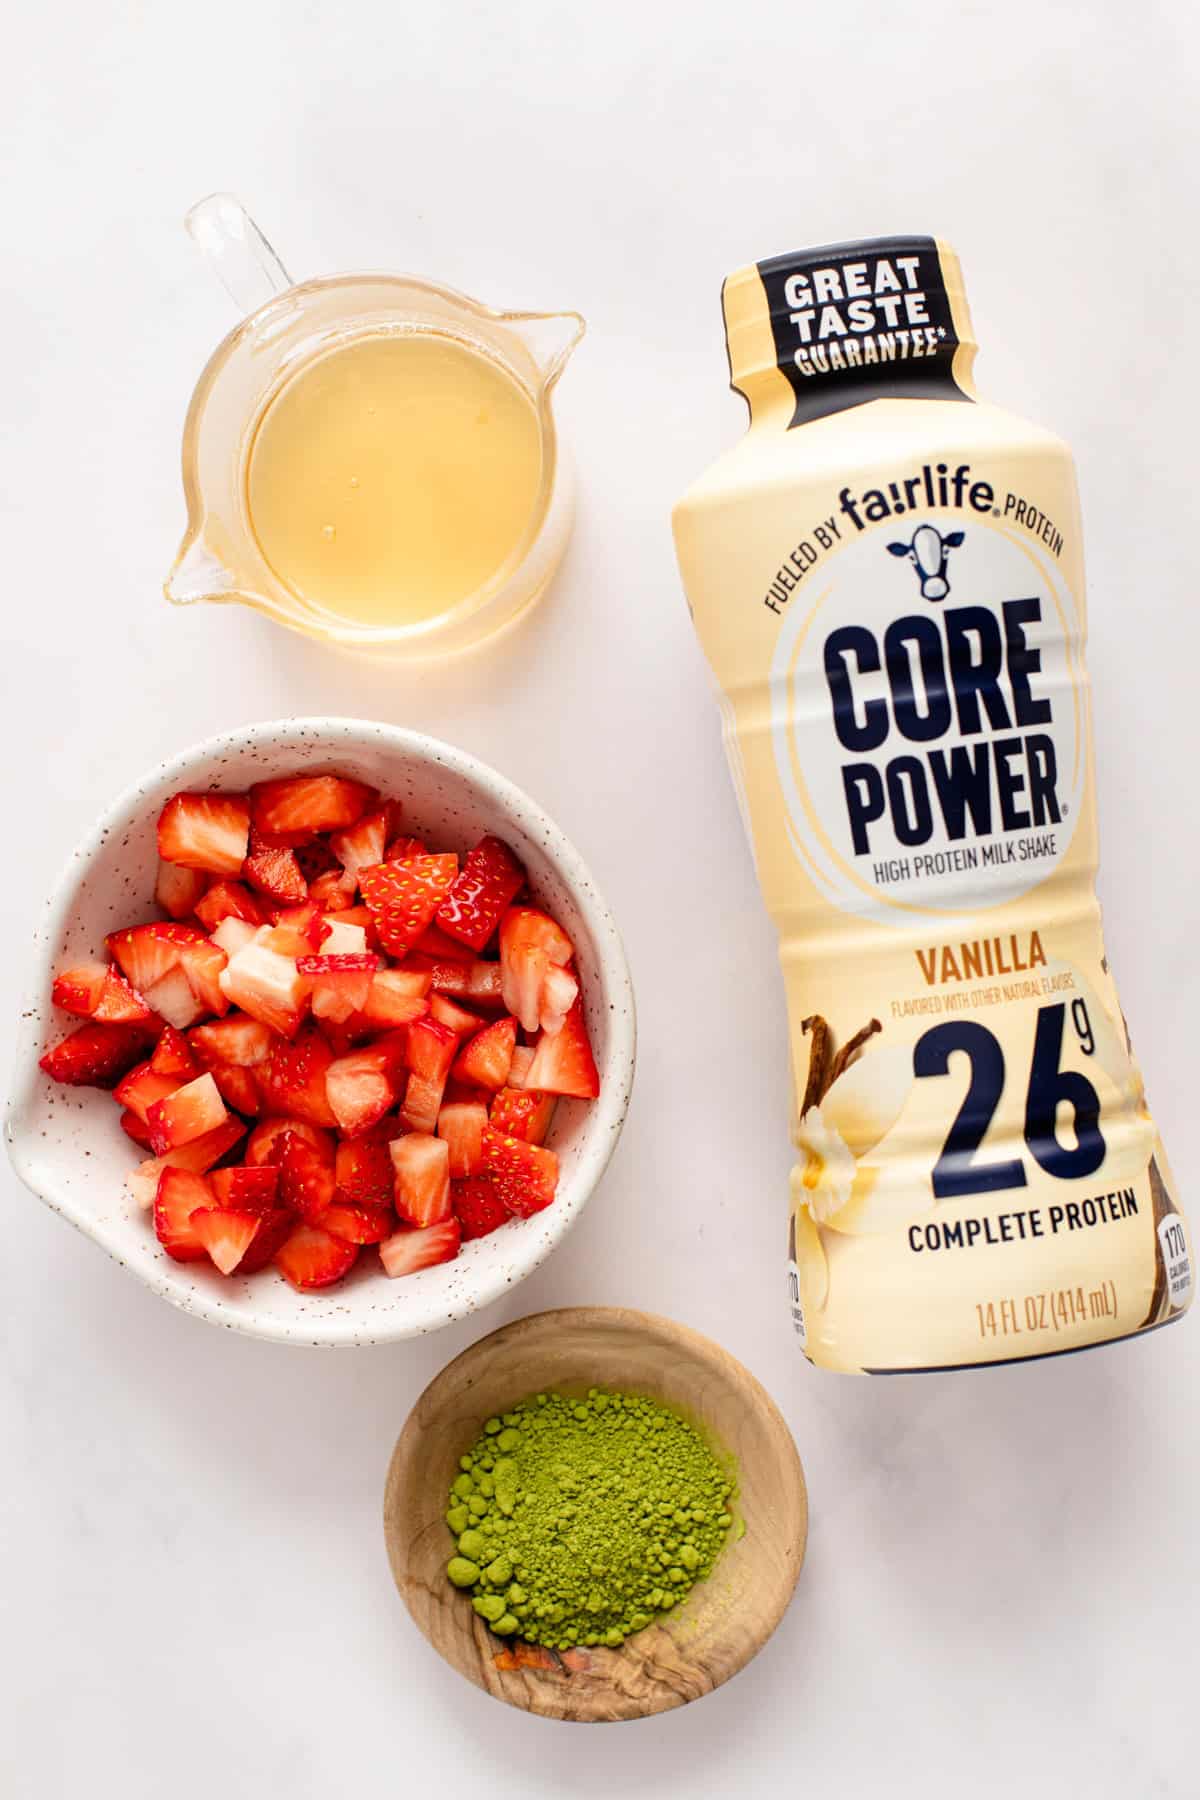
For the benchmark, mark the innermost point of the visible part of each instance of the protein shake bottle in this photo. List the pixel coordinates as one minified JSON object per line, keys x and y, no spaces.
{"x":886,"y":575}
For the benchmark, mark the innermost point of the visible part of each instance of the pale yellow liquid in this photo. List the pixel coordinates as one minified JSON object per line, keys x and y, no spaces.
{"x":394,"y":476}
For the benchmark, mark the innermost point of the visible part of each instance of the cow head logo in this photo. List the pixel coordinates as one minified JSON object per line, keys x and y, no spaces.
{"x":929,"y":552}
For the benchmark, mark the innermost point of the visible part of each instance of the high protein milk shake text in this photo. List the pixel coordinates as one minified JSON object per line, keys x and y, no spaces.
{"x":886,"y":575}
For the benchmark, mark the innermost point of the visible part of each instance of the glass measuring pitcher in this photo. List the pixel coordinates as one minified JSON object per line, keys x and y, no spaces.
{"x":292,"y":329}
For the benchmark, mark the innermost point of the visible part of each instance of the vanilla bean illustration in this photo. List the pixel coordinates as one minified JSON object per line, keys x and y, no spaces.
{"x":816,"y":1086}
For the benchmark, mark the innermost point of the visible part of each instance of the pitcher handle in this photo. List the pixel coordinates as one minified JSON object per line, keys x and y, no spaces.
{"x":245,"y":264}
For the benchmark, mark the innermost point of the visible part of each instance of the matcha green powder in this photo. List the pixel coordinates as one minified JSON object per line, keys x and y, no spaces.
{"x":578,"y":1520}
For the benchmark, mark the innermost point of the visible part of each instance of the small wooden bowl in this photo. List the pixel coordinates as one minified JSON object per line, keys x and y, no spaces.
{"x":724,"y":1621}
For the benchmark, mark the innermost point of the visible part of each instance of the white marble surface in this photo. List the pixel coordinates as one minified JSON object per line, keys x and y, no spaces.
{"x":1002,"y":1567}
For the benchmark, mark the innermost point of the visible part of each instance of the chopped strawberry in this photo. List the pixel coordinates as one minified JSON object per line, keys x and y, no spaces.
{"x":135,"y":1128}
{"x":361,"y":845}
{"x":267,"y":986}
{"x":173,"y":1055}
{"x":422,"y":1102}
{"x":487,"y":1058}
{"x":252,"y":1189}
{"x":462,"y":1125}
{"x":179,"y":1194}
{"x":232,"y":935}
{"x":294,"y":1080}
{"x":530,"y":945}
{"x":274,"y":1229}
{"x":205,"y":831}
{"x":95,"y":1055}
{"x":479,"y":983}
{"x":518,"y":1075}
{"x":431,"y":1049}
{"x":523,"y":1114}
{"x":434,"y":944}
{"x":359,"y":1224}
{"x":564,"y":1064}
{"x":172,"y":998}
{"x":360,"y":1090}
{"x":559,"y":993}
{"x":311,"y":1258}
{"x":229,"y":900}
{"x":526,"y":925}
{"x":403,"y":849}
{"x":145,"y":953}
{"x":197,"y":1157}
{"x":190,"y":1112}
{"x":333,"y":891}
{"x":403,"y":897}
{"x":306,"y":1180}
{"x":296,"y":807}
{"x":525,"y":1175}
{"x":489,"y":881}
{"x":461,"y":1022}
{"x":178,"y":890}
{"x":238,"y":1088}
{"x":300,"y":930}
{"x":458,"y":1093}
{"x":342,"y":937}
{"x":422,"y":1178}
{"x":144,"y":1086}
{"x":238,"y":1040}
{"x":274,"y":871}
{"x":94,"y":991}
{"x":226,"y":1233}
{"x":265,"y":1144}
{"x":363,"y":1171}
{"x":202,"y":965}
{"x":407,"y":1251}
{"x":339,"y":984}
{"x":396,"y":997}
{"x":477,"y":1206}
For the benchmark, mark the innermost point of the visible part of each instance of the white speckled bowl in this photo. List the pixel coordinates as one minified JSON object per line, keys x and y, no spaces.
{"x":66,"y":1143}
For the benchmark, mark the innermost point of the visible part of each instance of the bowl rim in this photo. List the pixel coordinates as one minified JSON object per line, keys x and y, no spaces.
{"x":606,"y":1117}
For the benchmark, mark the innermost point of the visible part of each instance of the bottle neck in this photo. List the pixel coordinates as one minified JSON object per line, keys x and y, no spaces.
{"x":821,"y":330}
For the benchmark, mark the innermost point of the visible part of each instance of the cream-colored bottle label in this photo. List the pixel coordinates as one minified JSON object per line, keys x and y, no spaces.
{"x":891,"y":597}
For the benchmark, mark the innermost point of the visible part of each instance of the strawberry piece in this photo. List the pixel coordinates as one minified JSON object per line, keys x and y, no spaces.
{"x":333,"y":891}
{"x":179,"y":1194}
{"x":143,"y":1087}
{"x":173,"y":1055}
{"x":197,"y":1157}
{"x":146,"y":953}
{"x":422,"y":1103}
{"x":477,"y":1206}
{"x":95,"y":1055}
{"x":192,"y":1111}
{"x":461,"y":1022}
{"x":518,"y":1075}
{"x":564,"y":1064}
{"x":178,"y":890}
{"x":487,"y":1058}
{"x":296,"y":807}
{"x":434,"y":944}
{"x":407,"y":1251}
{"x":359,"y":1224}
{"x":173,"y":1000}
{"x":311,"y":1258}
{"x":274,"y":1229}
{"x":306,"y":1181}
{"x":229,"y":900}
{"x":94,"y":991}
{"x":135,"y":1128}
{"x":265,"y":1144}
{"x":267,"y":986}
{"x":240,"y":1040}
{"x":238,"y":1088}
{"x":253,"y":1190}
{"x":359,"y":1089}
{"x":530,"y":945}
{"x":293,"y":1080}
{"x":339,"y":984}
{"x":525,"y":1175}
{"x":525,"y":925}
{"x":431,"y":1049}
{"x":559,"y":992}
{"x":523,"y":1114}
{"x":489,"y":881}
{"x":232,"y":935}
{"x":422,"y":1178}
{"x":479,"y":983}
{"x":226,"y":1234}
{"x":342,"y":937}
{"x":462,"y":1125}
{"x":274,"y":872}
{"x":202,"y":965}
{"x":458,"y":1093}
{"x":205,"y":831}
{"x":362,"y":845}
{"x":403,"y":897}
{"x":363,"y":1172}
{"x":403,"y":849}
{"x":300,"y":930}
{"x":396,"y":997}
